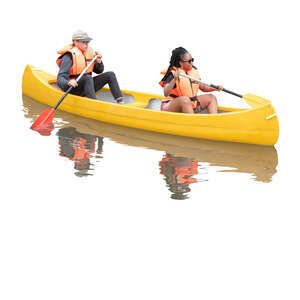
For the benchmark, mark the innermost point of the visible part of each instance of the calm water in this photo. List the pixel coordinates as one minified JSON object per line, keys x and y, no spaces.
{"x":184,"y":162}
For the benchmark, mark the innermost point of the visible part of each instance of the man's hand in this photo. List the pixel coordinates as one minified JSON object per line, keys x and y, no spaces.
{"x":73,"y":83}
{"x":99,"y":57}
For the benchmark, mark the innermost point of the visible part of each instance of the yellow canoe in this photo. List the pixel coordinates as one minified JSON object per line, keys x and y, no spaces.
{"x":255,"y":125}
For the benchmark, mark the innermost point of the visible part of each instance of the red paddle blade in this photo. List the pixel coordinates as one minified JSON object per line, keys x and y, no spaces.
{"x":45,"y":117}
{"x":43,"y":123}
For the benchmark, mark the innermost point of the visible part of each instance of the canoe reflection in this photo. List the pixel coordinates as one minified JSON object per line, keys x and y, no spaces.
{"x":258,"y":161}
{"x":79,"y":147}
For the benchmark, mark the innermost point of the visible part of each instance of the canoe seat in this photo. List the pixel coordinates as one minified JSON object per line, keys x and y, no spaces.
{"x":154,"y":104}
{"x":108,"y":97}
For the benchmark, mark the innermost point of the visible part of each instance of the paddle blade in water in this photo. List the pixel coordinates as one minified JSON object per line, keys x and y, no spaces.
{"x":43,"y":123}
{"x":45,"y":129}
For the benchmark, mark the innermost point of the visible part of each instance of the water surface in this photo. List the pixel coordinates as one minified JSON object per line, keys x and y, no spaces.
{"x":184,"y":162}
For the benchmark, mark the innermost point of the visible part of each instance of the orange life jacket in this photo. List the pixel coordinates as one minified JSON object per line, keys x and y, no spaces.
{"x":80,"y":59}
{"x":184,"y":86}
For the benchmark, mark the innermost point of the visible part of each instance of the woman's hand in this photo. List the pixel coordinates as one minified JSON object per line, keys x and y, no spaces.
{"x":197,"y":109}
{"x":176,"y":74}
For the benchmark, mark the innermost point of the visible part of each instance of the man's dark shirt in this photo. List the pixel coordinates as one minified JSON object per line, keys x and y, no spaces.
{"x":65,"y":68}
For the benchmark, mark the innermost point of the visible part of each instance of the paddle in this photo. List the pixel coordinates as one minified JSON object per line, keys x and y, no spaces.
{"x":211,"y":85}
{"x":43,"y":123}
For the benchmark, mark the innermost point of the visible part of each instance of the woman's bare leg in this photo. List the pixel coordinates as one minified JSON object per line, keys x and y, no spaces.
{"x":210,"y":102}
{"x":181,"y":104}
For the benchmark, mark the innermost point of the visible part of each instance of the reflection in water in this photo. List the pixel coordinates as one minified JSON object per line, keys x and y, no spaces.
{"x":79,"y":147}
{"x":179,"y":174}
{"x":259,"y":161}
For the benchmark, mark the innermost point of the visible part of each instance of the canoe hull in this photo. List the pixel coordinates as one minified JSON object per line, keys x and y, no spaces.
{"x":250,"y":126}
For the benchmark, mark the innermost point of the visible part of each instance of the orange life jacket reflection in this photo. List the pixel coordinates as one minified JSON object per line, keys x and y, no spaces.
{"x":80,"y":59}
{"x":184,"y":86}
{"x":178,"y":170}
{"x":75,"y":145}
{"x":81,"y":151}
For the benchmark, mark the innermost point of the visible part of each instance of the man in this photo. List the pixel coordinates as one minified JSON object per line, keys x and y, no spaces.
{"x":72,"y":61}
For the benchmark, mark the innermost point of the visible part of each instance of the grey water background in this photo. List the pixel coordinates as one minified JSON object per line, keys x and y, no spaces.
{"x":109,"y":228}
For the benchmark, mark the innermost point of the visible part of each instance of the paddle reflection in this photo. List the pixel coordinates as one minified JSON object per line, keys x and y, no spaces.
{"x":179,"y":173}
{"x":80,"y":148}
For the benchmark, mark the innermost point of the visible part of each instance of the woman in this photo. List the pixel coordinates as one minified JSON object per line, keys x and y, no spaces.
{"x":180,"y":92}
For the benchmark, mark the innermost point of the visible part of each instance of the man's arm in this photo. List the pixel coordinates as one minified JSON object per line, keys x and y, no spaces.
{"x":64,"y":71}
{"x":98,"y":68}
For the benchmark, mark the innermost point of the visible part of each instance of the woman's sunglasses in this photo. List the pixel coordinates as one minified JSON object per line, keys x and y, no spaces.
{"x":189,"y":61}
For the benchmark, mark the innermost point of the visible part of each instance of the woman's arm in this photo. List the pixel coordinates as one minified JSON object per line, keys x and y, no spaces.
{"x":206,"y":88}
{"x":170,"y":84}
{"x":169,"y":87}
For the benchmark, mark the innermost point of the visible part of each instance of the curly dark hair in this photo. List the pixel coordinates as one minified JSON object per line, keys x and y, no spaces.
{"x":177,"y":55}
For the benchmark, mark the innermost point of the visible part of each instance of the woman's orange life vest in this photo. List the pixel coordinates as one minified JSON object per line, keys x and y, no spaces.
{"x":184,"y":86}
{"x":80,"y":59}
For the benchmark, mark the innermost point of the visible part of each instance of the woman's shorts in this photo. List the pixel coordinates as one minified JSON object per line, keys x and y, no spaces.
{"x":165,"y":105}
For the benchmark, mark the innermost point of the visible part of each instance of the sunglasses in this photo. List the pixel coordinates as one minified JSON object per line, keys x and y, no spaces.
{"x":83,"y":42}
{"x":189,"y":61}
